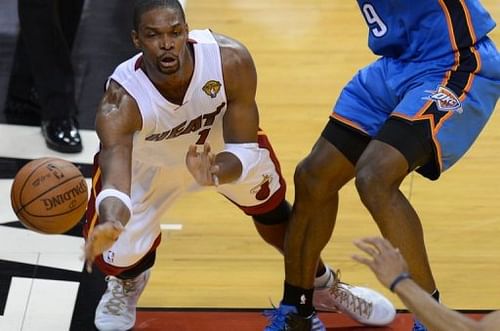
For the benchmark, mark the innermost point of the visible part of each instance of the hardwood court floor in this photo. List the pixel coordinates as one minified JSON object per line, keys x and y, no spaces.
{"x":211,"y":257}
{"x":305,"y":51}
{"x":251,"y":321}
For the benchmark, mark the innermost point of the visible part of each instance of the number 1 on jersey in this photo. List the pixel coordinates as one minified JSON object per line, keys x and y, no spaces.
{"x":203,"y":136}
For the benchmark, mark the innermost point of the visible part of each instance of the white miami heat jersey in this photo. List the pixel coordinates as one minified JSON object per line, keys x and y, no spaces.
{"x":159,"y":172}
{"x":168,"y":129}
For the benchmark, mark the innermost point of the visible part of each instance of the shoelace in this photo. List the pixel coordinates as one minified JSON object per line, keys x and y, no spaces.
{"x":120,"y":289}
{"x":418,"y":326}
{"x":276,"y":317}
{"x":354,"y":303}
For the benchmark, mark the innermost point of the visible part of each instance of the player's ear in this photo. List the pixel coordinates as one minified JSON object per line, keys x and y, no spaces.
{"x":135,"y":38}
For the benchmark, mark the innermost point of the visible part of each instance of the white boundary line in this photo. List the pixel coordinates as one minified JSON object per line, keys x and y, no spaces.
{"x":166,"y":227}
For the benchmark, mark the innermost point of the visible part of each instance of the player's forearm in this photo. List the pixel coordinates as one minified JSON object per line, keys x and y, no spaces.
{"x":115,"y":176}
{"x":434,"y":315}
{"x":114,"y":210}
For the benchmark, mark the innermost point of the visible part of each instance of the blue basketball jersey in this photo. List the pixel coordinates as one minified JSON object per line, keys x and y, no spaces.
{"x":424,"y":29}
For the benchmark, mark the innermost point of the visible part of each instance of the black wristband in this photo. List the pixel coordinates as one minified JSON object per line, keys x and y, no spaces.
{"x":399,"y":278}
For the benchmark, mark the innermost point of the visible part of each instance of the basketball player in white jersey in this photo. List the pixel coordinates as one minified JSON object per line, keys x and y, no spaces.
{"x":160,"y":110}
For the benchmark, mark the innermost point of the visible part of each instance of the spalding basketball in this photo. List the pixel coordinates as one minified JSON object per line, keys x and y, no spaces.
{"x":49,"y":195}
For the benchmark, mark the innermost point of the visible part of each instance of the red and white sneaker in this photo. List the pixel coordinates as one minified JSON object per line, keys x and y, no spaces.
{"x":363,"y":304}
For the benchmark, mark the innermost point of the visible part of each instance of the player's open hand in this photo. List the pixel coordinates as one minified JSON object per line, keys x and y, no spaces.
{"x":202,"y":165}
{"x":102,"y":238}
{"x":386,"y":261}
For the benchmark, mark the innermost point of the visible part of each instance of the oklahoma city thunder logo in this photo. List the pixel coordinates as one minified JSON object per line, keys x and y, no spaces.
{"x":445,"y":100}
{"x":212,"y":88}
{"x":263,"y":190}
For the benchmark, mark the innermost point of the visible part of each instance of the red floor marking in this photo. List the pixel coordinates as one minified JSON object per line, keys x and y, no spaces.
{"x":251,"y":321}
{"x":245,"y":321}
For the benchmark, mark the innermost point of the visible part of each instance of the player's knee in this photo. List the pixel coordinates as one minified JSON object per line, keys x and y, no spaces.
{"x":372,"y":184}
{"x":313,"y":180}
{"x":307,"y":177}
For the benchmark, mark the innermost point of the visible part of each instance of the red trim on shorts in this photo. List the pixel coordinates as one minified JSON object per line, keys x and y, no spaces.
{"x":112,"y":270}
{"x":279,"y":195}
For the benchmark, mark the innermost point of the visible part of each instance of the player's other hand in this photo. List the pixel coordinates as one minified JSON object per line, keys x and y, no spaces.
{"x":386,"y":261}
{"x":202,"y":165}
{"x":102,"y":238}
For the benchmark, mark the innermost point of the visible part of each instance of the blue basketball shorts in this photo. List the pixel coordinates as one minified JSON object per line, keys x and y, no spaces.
{"x":453,"y":96}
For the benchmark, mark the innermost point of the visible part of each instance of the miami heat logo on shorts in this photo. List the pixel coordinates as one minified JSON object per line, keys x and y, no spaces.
{"x":263,"y":190}
{"x":212,"y":88}
{"x":445,"y":100}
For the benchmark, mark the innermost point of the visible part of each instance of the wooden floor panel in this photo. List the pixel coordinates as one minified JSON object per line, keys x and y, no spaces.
{"x":251,"y":321}
{"x":305,"y":51}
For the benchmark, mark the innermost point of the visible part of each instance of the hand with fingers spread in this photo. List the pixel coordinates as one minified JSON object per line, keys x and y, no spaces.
{"x":102,"y":238}
{"x":390,"y":268}
{"x":387,"y":262}
{"x":202,"y":165}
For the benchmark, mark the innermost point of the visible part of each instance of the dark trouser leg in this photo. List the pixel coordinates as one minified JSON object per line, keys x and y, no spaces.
{"x":49,"y":56}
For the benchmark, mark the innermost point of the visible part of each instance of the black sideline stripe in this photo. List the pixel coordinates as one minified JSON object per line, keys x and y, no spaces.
{"x":10,"y":166}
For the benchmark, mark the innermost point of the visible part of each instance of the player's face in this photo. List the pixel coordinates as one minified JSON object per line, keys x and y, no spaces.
{"x":162,"y":37}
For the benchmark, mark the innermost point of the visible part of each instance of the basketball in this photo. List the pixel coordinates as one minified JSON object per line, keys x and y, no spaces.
{"x":49,"y":195}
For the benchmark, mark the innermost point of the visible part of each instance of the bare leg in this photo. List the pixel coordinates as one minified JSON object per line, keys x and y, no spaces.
{"x":379,"y":173}
{"x":274,"y":235}
{"x":318,"y":178}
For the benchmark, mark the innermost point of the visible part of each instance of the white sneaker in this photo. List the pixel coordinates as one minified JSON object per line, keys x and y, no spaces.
{"x":363,"y":304}
{"x":116,"y":310}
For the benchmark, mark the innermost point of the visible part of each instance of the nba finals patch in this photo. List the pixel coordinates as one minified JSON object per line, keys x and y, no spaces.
{"x":212,"y":88}
{"x":445,"y":100}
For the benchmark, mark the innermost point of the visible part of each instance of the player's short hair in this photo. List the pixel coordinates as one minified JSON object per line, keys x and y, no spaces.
{"x":142,"y":6}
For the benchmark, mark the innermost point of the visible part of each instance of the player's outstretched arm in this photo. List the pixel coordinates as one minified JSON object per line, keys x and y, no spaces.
{"x":117,"y":120}
{"x":392,"y":271}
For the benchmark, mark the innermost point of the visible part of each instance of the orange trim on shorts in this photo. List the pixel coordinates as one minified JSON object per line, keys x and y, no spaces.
{"x":449,"y":24}
{"x":469,"y":22}
{"x":472,"y":75}
{"x":453,"y":40}
{"x":348,"y":122}
{"x":422,"y":110}
{"x":437,"y":123}
{"x":438,"y":152}
{"x":434,"y":130}
{"x":451,"y":35}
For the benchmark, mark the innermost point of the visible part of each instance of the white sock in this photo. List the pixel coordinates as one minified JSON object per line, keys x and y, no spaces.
{"x":326,"y":279}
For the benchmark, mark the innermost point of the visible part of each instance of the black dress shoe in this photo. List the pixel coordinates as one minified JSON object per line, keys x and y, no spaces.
{"x":62,"y":135}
